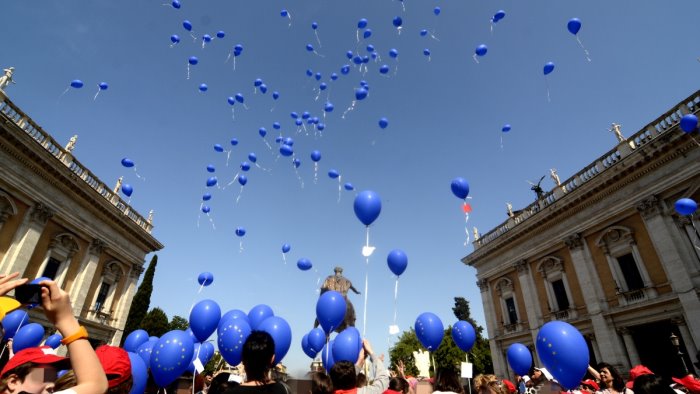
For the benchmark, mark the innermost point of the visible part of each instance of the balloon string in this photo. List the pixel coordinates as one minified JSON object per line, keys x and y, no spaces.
{"x":315,"y":172}
{"x":188,"y":70}
{"x":298,"y":176}
{"x":284,"y":258}
{"x":466,"y":228}
{"x":475,"y":59}
{"x":317,"y":39}
{"x":234,"y":63}
{"x":200,"y":289}
{"x":143,"y":178}
{"x":585,"y":51}
{"x":364,"y":312}
{"x":694,"y":140}
{"x":501,"y":142}
{"x":239,"y":195}
{"x":240,"y":246}
{"x":546,"y":82}
{"x":396,"y":297}
{"x":339,"y":194}
{"x":96,"y":94}
{"x":211,"y":221}
{"x":64,"y":92}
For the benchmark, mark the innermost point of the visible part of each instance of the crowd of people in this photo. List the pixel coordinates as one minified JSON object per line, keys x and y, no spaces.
{"x":107,"y":369}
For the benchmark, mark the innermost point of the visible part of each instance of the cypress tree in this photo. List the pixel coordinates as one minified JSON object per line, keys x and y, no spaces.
{"x":141,"y":301}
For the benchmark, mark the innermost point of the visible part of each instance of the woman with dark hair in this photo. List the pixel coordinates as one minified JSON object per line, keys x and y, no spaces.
{"x":220,"y":383}
{"x":610,"y":381}
{"x":398,"y":385}
{"x":258,"y":358}
{"x":447,"y":381}
{"x":321,"y":383}
{"x":651,"y":384}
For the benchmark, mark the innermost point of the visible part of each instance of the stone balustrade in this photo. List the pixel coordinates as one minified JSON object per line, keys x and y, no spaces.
{"x":663,"y":124}
{"x":11,"y":113}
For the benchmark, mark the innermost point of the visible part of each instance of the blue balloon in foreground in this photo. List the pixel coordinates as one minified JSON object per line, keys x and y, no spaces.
{"x":330,"y":310}
{"x":146,"y":349}
{"x":429,"y":330}
{"x":460,"y":188}
{"x":205,"y":279}
{"x":204,"y":318}
{"x":689,"y":123}
{"x":29,"y":335}
{"x":367,"y":206}
{"x":231,"y":337}
{"x":281,"y":333}
{"x":170,"y":357}
{"x":548,"y":68}
{"x":53,"y":341}
{"x":574,"y":25}
{"x":464,"y":335}
{"x":397,"y":261}
{"x":286,"y":150}
{"x":139,"y":374}
{"x":346,"y":346}
{"x":135,"y":339}
{"x":686,"y":206}
{"x":12,"y":322}
{"x":564,"y":352}
{"x":258,"y":314}
{"x":127,"y":189}
{"x":317,"y":338}
{"x":304,"y":264}
{"x":305,"y":346}
{"x":519,"y":358}
{"x":327,"y":356}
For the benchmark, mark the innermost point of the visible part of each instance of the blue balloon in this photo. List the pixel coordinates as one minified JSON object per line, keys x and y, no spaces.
{"x":437,"y":10}
{"x":304,"y":264}
{"x":176,"y":4}
{"x":321,"y":126}
{"x":206,"y":209}
{"x":139,"y":374}
{"x":12,"y":322}
{"x":464,"y":335}
{"x":314,"y":25}
{"x":204,"y":318}
{"x":505,"y":128}
{"x":296,"y":163}
{"x":237,"y":50}
{"x":548,"y":68}
{"x":317,"y":339}
{"x":234,"y":141}
{"x":53,"y":341}
{"x":175,"y":38}
{"x":240,"y":98}
{"x":327,"y":356}
{"x":203,"y":87}
{"x":361,"y":93}
{"x":367,"y":33}
{"x":564,"y":352}
{"x":397,"y":261}
{"x":219,"y":148}
{"x":187,"y":25}
{"x":346,"y":346}
{"x":230,"y":315}
{"x":286,"y":248}
{"x":205,"y":279}
{"x":29,"y":335}
{"x":286,"y":150}
{"x":206,"y":38}
{"x":146,"y":349}
{"x":206,"y":196}
{"x":460,"y":188}
{"x":481,"y":50}
{"x":330,"y":310}
{"x":305,"y":346}
{"x":288,"y":141}
{"x":309,"y":47}
{"x":333,"y":174}
{"x":383,"y":123}
{"x":362,"y":23}
{"x":329,"y":107}
{"x":257,"y":82}
{"x":519,"y":358}
{"x":212,"y":181}
{"x":429,"y":330}
{"x":103,"y":85}
{"x":281,"y":334}
{"x":76,"y":83}
{"x":211,"y":168}
{"x":345,"y":70}
{"x":318,"y":76}
{"x":348,"y":186}
{"x":384,"y":69}
{"x":252,"y":157}
{"x":423,"y":33}
{"x":231,"y":338}
{"x":394,"y":53}
{"x":135,"y":339}
{"x":220,"y":34}
{"x":685,"y":206}
{"x":171,"y":356}
{"x":574,"y":25}
{"x":127,"y":189}
{"x":315,"y":155}
{"x":258,"y":314}
{"x":689,"y":123}
{"x":500,"y":14}
{"x":242,"y":179}
{"x":245,"y":166}
{"x":206,"y":352}
{"x":240,"y":231}
{"x":190,"y":335}
{"x":397,"y":21}
{"x":426,"y":52}
{"x":367,"y":206}
{"x":128,"y":163}
{"x":193,"y":60}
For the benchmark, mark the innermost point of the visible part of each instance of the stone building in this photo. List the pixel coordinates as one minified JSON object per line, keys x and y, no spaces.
{"x":605,"y":251}
{"x":58,"y":220}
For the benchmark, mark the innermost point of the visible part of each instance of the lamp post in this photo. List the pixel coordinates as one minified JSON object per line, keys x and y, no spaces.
{"x":676,"y":344}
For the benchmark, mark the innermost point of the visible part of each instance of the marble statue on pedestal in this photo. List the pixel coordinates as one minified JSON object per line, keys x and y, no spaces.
{"x":555,"y":177}
{"x":71,"y":143}
{"x":6,"y":79}
{"x":118,"y":185}
{"x":616,"y":129}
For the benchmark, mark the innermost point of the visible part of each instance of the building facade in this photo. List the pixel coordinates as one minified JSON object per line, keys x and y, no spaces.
{"x":58,"y":220}
{"x":605,"y":251}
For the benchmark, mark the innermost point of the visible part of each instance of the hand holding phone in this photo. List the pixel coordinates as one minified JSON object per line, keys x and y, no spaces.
{"x":28,"y":294}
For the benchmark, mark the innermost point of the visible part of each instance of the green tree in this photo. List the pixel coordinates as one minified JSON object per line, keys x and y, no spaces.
{"x":448,"y":355}
{"x":214,"y":364}
{"x":178,"y":323}
{"x":155,"y":322}
{"x":480,"y":354}
{"x":403,"y":351}
{"x":141,"y":301}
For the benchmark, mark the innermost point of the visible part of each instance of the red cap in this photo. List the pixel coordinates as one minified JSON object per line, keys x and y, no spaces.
{"x":591,"y":383}
{"x":116,"y":363}
{"x":692,"y":384}
{"x":509,"y":385}
{"x":635,"y":372}
{"x":37,"y":355}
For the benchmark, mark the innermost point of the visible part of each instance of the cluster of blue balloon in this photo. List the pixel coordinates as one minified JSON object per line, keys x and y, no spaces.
{"x":78,"y":84}
{"x":430,"y":331}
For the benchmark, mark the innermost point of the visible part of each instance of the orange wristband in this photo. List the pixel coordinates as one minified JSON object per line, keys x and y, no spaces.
{"x":80,"y":334}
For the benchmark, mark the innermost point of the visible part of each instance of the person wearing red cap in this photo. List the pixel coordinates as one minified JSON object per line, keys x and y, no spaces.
{"x":117,"y":366}
{"x":635,"y":372}
{"x":690,"y":383}
{"x":34,"y":370}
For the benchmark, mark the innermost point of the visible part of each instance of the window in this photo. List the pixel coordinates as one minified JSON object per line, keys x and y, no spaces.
{"x":633,"y":279}
{"x":512,"y":313}
{"x":51,"y":268}
{"x":560,"y":294}
{"x":102,"y":296}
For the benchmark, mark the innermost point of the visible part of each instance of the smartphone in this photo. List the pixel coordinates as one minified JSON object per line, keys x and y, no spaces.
{"x":28,"y":294}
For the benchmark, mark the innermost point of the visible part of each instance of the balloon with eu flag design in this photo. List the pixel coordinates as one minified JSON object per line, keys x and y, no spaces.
{"x":464,"y":335}
{"x":564,"y":352}
{"x":146,"y":349}
{"x":429,"y":330}
{"x":231,"y":338}
{"x":170,"y":357}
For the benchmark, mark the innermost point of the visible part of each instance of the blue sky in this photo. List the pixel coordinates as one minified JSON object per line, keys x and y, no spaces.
{"x":445,"y":118}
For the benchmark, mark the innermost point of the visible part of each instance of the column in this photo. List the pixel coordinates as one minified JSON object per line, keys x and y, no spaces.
{"x":487,"y":302}
{"x":672,"y":262}
{"x":83,"y":280}
{"x":125,"y":303}
{"x":531,"y":301}
{"x":594,"y":346}
{"x":7,"y":208}
{"x":25,"y":240}
{"x":585,"y":273}
{"x":630,"y":346}
{"x":690,"y":347}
